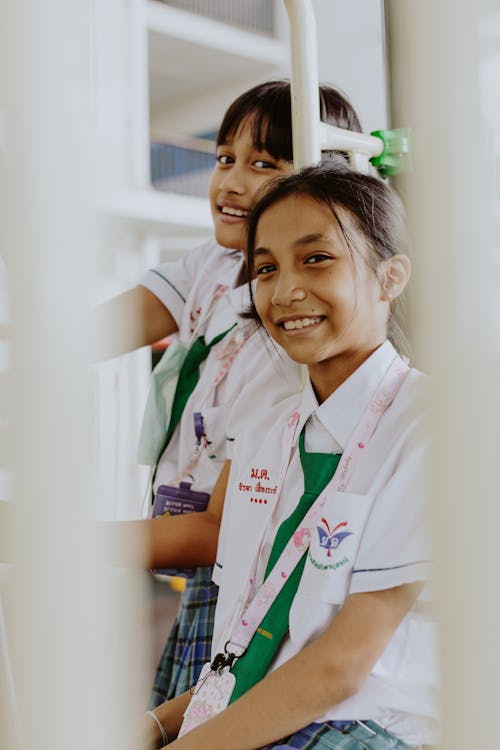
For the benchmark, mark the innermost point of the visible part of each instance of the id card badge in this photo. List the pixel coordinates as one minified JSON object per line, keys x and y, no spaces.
{"x":211,"y":695}
{"x":173,"y":501}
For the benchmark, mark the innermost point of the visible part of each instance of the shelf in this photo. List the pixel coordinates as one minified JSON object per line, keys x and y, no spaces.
{"x":191,"y":54}
{"x":160,"y":213}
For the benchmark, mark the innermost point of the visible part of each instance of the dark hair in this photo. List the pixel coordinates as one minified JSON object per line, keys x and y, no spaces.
{"x":269,"y":107}
{"x":373,"y":208}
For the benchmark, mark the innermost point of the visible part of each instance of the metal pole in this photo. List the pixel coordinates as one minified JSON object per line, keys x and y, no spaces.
{"x":310,"y":135}
{"x":304,"y":83}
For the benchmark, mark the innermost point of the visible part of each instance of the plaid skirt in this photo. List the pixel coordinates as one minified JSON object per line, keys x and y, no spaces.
{"x":365,"y":736}
{"x":190,"y":640}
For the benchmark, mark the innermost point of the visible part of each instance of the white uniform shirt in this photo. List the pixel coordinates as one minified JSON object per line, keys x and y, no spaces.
{"x":252,"y":363}
{"x":187,"y":286}
{"x":196,"y":278}
{"x":389,"y":542}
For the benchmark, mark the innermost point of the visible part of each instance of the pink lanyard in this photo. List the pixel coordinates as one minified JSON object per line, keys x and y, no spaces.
{"x":226,"y":356}
{"x":258,"y":607}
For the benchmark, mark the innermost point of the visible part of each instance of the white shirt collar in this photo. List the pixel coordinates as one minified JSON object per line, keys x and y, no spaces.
{"x":342,"y":411}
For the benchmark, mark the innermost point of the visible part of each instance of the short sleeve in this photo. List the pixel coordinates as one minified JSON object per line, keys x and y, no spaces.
{"x":171,"y":282}
{"x":397,"y":545}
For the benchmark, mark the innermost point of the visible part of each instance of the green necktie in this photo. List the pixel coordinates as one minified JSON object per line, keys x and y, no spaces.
{"x":188,"y":377}
{"x":318,"y":469}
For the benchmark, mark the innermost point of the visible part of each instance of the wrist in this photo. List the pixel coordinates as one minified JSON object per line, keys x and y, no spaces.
{"x":156,"y":731}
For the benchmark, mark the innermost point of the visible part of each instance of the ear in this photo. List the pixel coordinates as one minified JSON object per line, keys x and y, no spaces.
{"x":395,"y":274}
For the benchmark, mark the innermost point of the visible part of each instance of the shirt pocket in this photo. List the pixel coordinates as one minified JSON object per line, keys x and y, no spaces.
{"x":333,"y":548}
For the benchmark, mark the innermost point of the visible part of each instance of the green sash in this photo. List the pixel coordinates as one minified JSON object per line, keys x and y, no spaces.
{"x":189,"y":375}
{"x":318,"y":469}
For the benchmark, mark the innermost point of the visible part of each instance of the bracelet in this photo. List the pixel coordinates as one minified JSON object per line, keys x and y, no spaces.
{"x":164,"y":735}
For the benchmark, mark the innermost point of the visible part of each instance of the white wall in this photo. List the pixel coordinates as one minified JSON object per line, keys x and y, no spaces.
{"x":351,"y":54}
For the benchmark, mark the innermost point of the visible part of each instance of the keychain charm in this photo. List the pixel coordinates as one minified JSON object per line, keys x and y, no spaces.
{"x":211,"y":694}
{"x":199,"y":429}
{"x":221,"y":661}
{"x":218,"y":663}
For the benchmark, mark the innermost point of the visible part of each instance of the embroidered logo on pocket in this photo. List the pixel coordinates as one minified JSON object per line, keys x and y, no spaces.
{"x":331,"y":539}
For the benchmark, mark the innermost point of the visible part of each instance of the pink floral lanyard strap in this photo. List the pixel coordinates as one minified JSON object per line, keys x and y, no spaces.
{"x":226,"y":356}
{"x":232,"y":346}
{"x":259,"y":605}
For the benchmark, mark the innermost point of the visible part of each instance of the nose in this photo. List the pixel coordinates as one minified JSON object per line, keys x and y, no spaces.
{"x":287,"y":289}
{"x":232,"y":180}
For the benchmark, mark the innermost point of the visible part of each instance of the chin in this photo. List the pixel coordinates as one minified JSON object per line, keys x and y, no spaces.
{"x":300,"y":360}
{"x":229,"y":240}
{"x":222,"y":241}
{"x":300,"y":357}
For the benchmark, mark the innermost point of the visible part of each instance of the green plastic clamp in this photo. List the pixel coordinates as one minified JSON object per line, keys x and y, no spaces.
{"x":395,"y":158}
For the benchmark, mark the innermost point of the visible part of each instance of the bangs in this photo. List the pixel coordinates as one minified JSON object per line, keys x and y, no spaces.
{"x":268,"y":134}
{"x":269,"y":117}
{"x":267,"y":109}
{"x":273,"y":133}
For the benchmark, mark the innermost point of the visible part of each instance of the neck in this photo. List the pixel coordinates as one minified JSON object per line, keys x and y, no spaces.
{"x":327,"y":376}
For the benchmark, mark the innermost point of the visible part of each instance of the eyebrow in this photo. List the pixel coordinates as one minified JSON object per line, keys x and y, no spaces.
{"x":261,"y":251}
{"x":307,"y":239}
{"x":262,"y":150}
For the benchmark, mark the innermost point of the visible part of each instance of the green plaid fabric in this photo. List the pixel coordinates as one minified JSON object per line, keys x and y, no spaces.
{"x":366,"y":736}
{"x":190,"y":640}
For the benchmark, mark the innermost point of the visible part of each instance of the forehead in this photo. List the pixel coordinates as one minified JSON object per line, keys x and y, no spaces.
{"x":298,"y":218}
{"x":252,"y":127}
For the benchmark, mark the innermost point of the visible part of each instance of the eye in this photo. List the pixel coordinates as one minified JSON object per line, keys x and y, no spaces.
{"x":224,"y":159}
{"x":265,"y":269}
{"x":318,"y":258}
{"x":263,"y":164}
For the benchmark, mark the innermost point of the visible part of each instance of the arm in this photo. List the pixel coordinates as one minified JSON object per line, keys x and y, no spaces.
{"x":326,"y":672}
{"x":170,"y":714}
{"x":169,"y":541}
{"x":133,"y":319}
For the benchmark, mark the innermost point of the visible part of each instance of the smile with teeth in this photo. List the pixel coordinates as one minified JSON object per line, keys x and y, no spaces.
{"x":291,"y":325}
{"x":233,"y":211}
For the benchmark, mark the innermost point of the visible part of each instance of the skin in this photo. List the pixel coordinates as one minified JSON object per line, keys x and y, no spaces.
{"x":187,"y":540}
{"x":240,"y":170}
{"x":303,"y":270}
{"x":328,"y":671}
{"x":306,"y":273}
{"x":129,"y":321}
